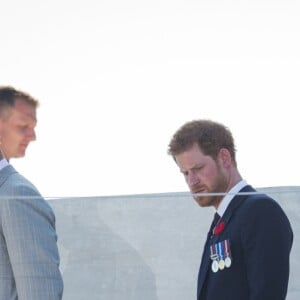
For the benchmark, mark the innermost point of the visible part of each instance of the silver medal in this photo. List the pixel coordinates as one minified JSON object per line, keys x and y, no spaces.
{"x":227,"y":262}
{"x":215,"y":266}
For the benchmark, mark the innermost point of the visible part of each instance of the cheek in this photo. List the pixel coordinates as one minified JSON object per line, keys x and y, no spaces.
{"x":10,"y":137}
{"x":209,"y":176}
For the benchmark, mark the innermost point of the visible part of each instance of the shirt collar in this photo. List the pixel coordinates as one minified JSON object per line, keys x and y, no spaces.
{"x":229,"y":196}
{"x":3,"y":163}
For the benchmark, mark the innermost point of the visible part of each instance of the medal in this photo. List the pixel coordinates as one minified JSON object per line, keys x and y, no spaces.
{"x":220,"y":254}
{"x":215,"y":266}
{"x":228,"y":260}
{"x":214,"y":258}
{"x":221,"y":264}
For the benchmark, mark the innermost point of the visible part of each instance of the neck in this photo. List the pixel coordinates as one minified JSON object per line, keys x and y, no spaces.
{"x":234,"y":178}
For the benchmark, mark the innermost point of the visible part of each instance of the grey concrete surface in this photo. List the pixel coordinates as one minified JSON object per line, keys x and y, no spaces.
{"x":144,"y":246}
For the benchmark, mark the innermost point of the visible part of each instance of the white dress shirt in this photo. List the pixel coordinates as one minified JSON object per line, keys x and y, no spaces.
{"x":3,"y":163}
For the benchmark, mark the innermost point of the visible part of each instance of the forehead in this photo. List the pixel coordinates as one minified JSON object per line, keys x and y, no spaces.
{"x":23,"y":111}
{"x":191,"y":157}
{"x":194,"y":149}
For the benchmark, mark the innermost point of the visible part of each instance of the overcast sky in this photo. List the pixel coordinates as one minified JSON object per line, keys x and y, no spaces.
{"x":116,"y":78}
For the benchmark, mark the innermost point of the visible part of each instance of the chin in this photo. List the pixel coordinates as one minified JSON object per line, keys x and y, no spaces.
{"x":202,"y":201}
{"x":21,"y":154}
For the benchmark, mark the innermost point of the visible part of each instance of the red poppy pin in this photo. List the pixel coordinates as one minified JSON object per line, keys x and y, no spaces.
{"x":219,"y":228}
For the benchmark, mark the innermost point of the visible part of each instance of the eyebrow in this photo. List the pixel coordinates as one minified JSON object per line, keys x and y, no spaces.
{"x":197,"y":166}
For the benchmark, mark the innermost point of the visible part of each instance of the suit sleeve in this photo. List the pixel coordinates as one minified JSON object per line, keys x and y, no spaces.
{"x":28,"y":225}
{"x":267,"y":239}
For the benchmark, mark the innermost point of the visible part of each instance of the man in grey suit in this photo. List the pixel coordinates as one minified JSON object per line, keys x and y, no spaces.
{"x":29,"y":258}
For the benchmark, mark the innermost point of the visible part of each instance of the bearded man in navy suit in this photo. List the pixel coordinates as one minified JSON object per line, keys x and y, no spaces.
{"x":247,"y":251}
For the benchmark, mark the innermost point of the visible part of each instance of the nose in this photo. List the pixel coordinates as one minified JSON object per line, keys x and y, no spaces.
{"x":192,"y":179}
{"x":30,"y":135}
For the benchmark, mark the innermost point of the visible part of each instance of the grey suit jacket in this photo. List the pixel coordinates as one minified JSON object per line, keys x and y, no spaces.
{"x":29,"y":259}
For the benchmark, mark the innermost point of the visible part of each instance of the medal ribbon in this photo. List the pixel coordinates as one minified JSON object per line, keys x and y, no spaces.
{"x":220,"y":252}
{"x":227,"y":248}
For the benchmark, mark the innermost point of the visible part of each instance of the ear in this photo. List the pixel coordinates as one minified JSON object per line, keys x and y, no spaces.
{"x":224,"y":158}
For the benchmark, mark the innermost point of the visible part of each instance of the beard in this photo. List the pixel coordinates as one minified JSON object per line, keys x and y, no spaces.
{"x":219,"y":185}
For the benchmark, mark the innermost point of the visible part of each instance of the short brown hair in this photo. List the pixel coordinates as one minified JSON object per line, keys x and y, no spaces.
{"x":8,"y":96}
{"x":210,"y":136}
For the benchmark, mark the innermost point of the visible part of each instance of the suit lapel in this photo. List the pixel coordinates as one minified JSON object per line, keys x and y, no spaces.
{"x":235,"y":203}
{"x":205,"y":262}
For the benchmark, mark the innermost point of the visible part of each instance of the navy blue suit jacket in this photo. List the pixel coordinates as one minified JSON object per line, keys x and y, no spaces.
{"x":260,"y":238}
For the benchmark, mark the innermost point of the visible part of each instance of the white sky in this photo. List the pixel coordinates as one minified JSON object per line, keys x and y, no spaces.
{"x":117,"y":78}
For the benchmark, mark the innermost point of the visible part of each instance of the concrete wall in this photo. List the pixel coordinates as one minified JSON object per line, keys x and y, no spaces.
{"x":145,"y":246}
